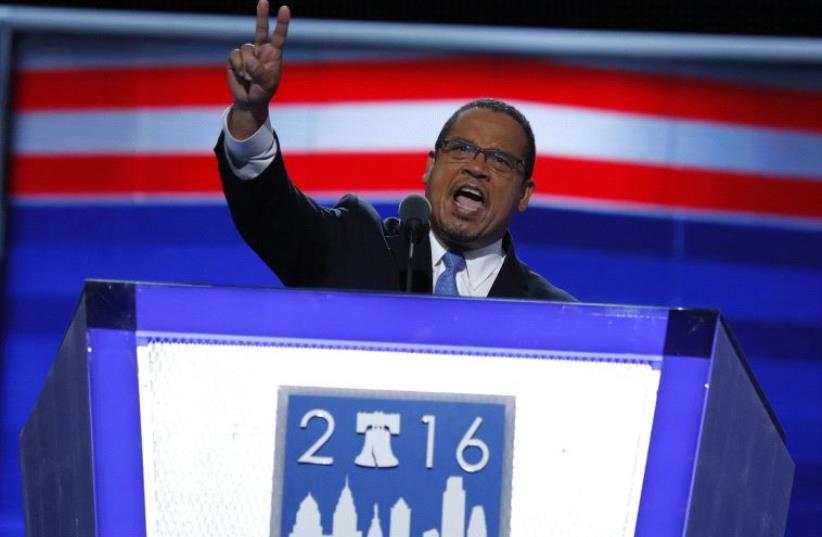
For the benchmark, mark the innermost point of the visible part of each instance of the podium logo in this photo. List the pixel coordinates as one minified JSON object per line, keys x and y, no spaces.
{"x":357,"y":463}
{"x":378,"y":428}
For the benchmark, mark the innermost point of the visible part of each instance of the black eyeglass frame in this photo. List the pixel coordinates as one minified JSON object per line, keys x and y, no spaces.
{"x":515,"y":163}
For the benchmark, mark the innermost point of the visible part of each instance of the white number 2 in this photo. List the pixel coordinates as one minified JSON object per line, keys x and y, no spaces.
{"x":310,"y":456}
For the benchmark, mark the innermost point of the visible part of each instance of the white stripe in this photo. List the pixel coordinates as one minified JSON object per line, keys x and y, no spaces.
{"x":77,"y":52}
{"x":566,"y":131}
{"x":105,"y":132}
{"x":561,"y":131}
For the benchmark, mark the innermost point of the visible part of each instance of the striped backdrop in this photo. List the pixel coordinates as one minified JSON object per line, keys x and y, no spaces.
{"x":657,"y":183}
{"x":602,"y":135}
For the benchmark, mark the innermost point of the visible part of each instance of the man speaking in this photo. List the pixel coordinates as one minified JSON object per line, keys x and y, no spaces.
{"x":478,"y":176}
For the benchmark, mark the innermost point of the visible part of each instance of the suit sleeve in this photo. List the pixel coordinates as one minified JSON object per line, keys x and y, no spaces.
{"x":290,"y":232}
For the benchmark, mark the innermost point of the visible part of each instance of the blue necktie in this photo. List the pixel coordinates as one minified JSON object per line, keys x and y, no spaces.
{"x":447,"y":282}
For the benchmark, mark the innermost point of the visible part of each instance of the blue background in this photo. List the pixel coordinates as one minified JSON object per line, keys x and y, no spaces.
{"x":766,"y":278}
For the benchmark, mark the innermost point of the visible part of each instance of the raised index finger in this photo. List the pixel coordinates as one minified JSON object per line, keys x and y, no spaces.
{"x":261,"y":32}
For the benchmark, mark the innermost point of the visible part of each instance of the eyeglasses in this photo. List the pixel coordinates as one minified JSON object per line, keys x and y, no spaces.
{"x":499,"y":161}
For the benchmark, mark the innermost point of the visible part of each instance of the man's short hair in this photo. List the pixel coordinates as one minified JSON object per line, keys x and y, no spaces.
{"x":496,"y":105}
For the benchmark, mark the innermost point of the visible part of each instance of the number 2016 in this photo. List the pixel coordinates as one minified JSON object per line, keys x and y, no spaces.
{"x":310,"y":455}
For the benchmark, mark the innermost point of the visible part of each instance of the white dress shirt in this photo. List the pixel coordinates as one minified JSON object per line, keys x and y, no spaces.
{"x":248,"y":158}
{"x":480,"y":271}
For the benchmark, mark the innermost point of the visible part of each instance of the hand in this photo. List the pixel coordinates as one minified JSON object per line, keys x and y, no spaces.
{"x":254,"y":71}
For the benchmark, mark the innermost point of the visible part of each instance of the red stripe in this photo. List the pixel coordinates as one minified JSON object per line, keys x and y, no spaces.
{"x":452,"y":78}
{"x":688,"y":188}
{"x":605,"y":181}
{"x":112,"y":174}
{"x":158,"y":174}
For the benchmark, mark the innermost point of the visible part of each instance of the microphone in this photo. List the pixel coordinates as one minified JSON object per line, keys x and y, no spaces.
{"x":415,"y":217}
{"x":415,"y":220}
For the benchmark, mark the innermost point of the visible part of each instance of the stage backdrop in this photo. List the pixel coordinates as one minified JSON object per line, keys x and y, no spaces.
{"x":665,"y":183}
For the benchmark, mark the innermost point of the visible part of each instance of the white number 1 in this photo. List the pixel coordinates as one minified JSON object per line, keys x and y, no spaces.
{"x":431,"y":421}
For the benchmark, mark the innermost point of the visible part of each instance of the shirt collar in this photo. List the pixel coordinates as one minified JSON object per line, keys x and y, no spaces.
{"x":480,"y":264}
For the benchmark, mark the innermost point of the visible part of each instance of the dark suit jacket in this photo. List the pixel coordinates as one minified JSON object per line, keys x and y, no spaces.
{"x":347,"y":247}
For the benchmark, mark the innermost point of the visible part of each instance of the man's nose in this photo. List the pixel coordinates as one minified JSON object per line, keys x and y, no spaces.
{"x":478,"y":166}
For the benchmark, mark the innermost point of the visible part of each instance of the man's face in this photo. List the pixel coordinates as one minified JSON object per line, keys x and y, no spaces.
{"x":471,"y":204}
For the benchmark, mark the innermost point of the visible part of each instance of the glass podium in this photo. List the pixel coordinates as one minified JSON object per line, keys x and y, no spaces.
{"x":182,"y":410}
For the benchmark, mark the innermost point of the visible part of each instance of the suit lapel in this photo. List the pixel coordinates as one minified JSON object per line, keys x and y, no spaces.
{"x":510,"y":282}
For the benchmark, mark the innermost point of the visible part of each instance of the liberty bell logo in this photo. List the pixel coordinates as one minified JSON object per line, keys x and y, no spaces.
{"x":376,"y":450}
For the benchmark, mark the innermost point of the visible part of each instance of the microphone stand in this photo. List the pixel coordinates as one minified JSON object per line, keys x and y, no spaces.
{"x":414,"y":236}
{"x":408,"y":274}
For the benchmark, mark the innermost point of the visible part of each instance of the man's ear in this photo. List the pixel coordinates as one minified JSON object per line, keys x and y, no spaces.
{"x":527,"y":189}
{"x":429,"y":165}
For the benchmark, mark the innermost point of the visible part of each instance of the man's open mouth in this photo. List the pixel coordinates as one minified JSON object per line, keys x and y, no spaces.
{"x":469,"y":198}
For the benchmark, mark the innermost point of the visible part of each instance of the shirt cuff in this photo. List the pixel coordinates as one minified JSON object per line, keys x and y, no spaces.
{"x":248,"y":158}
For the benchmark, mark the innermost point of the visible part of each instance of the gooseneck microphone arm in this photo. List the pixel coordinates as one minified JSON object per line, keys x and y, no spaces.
{"x":415,"y":219}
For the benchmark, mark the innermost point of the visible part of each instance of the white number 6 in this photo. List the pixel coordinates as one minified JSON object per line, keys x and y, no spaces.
{"x":469,"y":441}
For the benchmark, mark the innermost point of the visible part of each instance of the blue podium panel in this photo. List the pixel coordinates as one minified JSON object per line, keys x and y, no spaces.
{"x":55,"y":446}
{"x":739,"y":451}
{"x":310,"y":413}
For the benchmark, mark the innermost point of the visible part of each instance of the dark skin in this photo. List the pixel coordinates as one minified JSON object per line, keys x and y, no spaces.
{"x":255,"y":71}
{"x":460,"y":222}
{"x":464,"y":223}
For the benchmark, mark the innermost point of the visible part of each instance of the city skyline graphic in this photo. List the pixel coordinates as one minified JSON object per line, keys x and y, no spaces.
{"x":308,"y":520}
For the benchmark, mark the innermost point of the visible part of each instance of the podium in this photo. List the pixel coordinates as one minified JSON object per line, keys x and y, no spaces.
{"x":184,"y":410}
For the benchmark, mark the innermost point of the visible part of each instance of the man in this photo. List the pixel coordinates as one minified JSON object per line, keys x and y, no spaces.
{"x":477,"y":178}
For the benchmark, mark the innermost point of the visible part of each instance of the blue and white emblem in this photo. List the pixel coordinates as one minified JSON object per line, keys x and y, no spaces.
{"x":362,"y":463}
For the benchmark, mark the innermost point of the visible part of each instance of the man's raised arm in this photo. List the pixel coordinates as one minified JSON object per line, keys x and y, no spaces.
{"x":254,"y":72}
